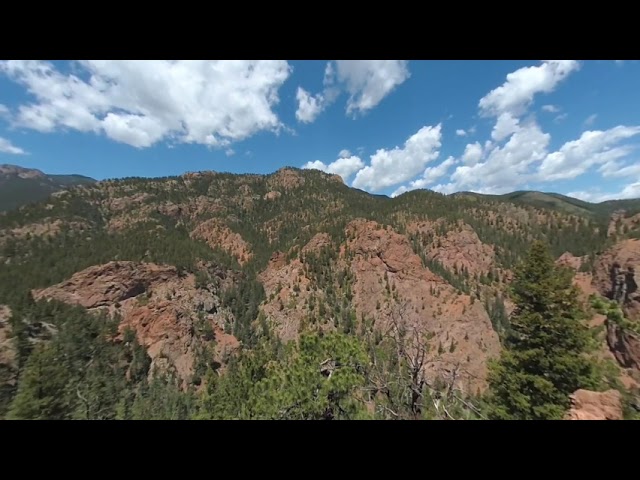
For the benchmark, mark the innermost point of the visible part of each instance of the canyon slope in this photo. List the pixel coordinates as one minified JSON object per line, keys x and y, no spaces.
{"x":200,"y":266}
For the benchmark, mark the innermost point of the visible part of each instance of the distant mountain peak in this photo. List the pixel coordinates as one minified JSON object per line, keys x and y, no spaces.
{"x":20,"y":185}
{"x":15,"y":170}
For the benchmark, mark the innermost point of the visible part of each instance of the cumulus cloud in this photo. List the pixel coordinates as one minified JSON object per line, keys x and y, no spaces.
{"x":472,"y":153}
{"x":518,"y":153}
{"x":7,"y":147}
{"x":507,"y":166}
{"x":429,"y":177}
{"x":344,"y":153}
{"x":517,"y":93}
{"x":141,"y":103}
{"x":343,"y":166}
{"x":504,"y":127}
{"x":461,"y":132}
{"x":616,"y":169}
{"x":309,"y":106}
{"x":367,"y":82}
{"x":525,"y":158}
{"x":631,"y":190}
{"x":391,"y":167}
{"x":592,"y":148}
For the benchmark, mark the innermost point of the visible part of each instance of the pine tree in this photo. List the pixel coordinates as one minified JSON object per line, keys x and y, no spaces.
{"x":544,"y":358}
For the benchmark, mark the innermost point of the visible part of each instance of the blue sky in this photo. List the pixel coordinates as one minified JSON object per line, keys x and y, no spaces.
{"x":386,"y":126}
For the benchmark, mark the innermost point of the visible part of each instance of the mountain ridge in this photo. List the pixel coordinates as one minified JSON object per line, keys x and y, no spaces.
{"x":20,"y":185}
{"x":230,"y":268}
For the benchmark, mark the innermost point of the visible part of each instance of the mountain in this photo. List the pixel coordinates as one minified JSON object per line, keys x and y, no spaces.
{"x":19,"y":186}
{"x":289,"y":295}
{"x":562,"y":203}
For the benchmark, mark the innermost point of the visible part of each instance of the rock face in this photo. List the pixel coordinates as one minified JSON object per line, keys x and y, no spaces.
{"x":462,"y":249}
{"x":619,"y":223}
{"x":582,"y":280}
{"x":588,"y":405}
{"x":43,"y":228}
{"x":625,"y":345}
{"x":617,"y":276}
{"x":285,"y":178}
{"x":389,"y":282}
{"x":166,"y":311}
{"x":272,"y":195}
{"x":462,"y":338}
{"x":218,"y":235}
{"x":567,"y":259}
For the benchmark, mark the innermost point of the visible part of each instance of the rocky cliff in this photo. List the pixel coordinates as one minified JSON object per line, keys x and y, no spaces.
{"x":173,"y":318}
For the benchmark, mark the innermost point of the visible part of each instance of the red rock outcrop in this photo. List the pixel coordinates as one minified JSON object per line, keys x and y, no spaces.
{"x":625,"y":345}
{"x":285,"y":285}
{"x":285,"y":178}
{"x":567,"y":259}
{"x":272,"y":195}
{"x":582,"y":280}
{"x":162,"y":307}
{"x":619,"y":223}
{"x":318,"y":242}
{"x":588,"y":405}
{"x":216,"y":234}
{"x":40,"y":229}
{"x":462,"y":336}
{"x":617,"y":276}
{"x":389,"y":279}
{"x":462,"y":249}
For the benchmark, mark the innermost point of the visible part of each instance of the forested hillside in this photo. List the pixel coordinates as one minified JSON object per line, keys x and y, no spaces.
{"x":291,"y":295}
{"x":19,"y":186}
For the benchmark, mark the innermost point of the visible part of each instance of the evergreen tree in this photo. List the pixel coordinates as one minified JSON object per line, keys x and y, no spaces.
{"x":41,"y":393}
{"x":544,"y":358}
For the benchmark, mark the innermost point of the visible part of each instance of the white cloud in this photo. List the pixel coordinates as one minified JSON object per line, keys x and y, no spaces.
{"x":616,"y":169}
{"x":369,"y":81}
{"x":518,"y":155}
{"x":525,"y":158}
{"x":143,"y":102}
{"x":631,"y":190}
{"x":461,"y":132}
{"x":309,"y":106}
{"x":430,"y":176}
{"x":344,"y":153}
{"x":590,"y":120}
{"x":550,"y":108}
{"x":344,"y":166}
{"x":391,"y":167}
{"x":445,"y":188}
{"x":229,"y":152}
{"x":7,"y":147}
{"x":516,"y":94}
{"x":592,"y":148}
{"x":505,"y":167}
{"x":506,"y":125}
{"x":472,"y":153}
{"x":4,"y":111}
